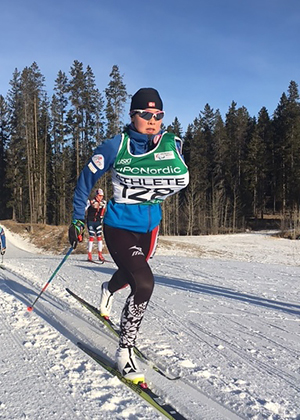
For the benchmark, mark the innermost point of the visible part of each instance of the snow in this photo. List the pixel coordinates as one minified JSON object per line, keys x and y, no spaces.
{"x":225,"y":316}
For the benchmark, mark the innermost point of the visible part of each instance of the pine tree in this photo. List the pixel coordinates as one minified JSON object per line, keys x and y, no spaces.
{"x":116,"y":96}
{"x":205,"y":150}
{"x":61,"y":170}
{"x":218,"y":200}
{"x":265,"y":163}
{"x":3,"y":158}
{"x":85,"y":118}
{"x":171,"y":206}
{"x":293,"y":138}
{"x":281,"y":154}
{"x":196,"y":161}
{"x":287,"y":126}
{"x":175,"y":128}
{"x":255,"y":171}
{"x":26,"y":150}
{"x":46,"y":160}
{"x":93,"y":104}
{"x":75,"y":117}
{"x":237,"y":126}
{"x":16,"y":168}
{"x":33,"y":93}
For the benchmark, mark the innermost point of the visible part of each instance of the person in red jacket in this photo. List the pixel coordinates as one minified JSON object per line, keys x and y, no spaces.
{"x":95,"y":214}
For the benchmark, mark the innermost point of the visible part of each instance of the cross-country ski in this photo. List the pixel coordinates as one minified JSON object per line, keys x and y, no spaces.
{"x":142,"y":389}
{"x":113,"y":328}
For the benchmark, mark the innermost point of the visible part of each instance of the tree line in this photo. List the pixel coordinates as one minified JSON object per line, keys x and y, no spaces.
{"x":242,"y":168}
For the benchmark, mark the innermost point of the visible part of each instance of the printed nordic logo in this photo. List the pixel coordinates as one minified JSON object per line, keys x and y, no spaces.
{"x":150,"y":171}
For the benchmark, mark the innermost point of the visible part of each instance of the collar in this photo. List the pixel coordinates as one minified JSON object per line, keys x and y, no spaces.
{"x":134,"y":134}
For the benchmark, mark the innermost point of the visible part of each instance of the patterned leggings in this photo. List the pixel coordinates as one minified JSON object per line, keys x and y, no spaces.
{"x":131,"y":252}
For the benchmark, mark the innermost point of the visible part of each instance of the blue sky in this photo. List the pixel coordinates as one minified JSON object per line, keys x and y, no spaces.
{"x":194,"y":52}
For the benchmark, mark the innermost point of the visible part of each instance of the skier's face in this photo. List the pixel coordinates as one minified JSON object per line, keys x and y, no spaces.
{"x":99,"y":198}
{"x":147,"y":127}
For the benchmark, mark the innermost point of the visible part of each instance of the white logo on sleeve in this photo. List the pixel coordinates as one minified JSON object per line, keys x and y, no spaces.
{"x":98,"y":161}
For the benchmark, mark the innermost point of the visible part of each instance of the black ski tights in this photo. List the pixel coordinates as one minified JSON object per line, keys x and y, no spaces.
{"x":131,"y":251}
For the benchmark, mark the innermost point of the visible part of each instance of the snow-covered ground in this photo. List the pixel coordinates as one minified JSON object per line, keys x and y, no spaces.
{"x":225,"y":315}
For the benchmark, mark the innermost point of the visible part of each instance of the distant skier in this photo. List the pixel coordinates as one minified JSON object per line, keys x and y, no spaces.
{"x":95,"y":214}
{"x":2,"y":241}
{"x":147,"y":166}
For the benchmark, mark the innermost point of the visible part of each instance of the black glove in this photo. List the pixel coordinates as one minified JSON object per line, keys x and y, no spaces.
{"x":76,"y":231}
{"x":3,"y":251}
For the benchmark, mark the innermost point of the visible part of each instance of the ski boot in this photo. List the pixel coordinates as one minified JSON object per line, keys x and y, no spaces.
{"x":100,"y":256}
{"x":127,"y":365}
{"x":106,"y":301}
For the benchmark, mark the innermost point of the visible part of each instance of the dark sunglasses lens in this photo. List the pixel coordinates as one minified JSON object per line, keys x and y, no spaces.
{"x":146,"y":115}
{"x":159,"y":116}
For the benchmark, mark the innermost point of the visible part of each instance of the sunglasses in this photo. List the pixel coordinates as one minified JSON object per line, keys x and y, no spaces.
{"x":147,"y":115}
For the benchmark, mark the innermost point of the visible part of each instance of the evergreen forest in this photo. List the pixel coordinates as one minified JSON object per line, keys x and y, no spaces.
{"x":244,"y":170}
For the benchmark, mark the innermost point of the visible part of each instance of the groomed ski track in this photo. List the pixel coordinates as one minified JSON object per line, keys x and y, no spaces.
{"x":212,"y":349}
{"x":70,"y":321}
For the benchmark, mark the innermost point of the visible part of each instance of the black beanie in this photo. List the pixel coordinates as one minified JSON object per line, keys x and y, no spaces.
{"x":146,"y":98}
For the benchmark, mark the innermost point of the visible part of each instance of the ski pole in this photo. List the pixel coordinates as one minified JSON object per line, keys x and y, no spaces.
{"x":30,"y":308}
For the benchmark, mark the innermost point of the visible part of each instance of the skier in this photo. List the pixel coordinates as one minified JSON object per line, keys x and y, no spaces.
{"x":95,"y":213}
{"x":147,"y":167}
{"x":2,"y":241}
